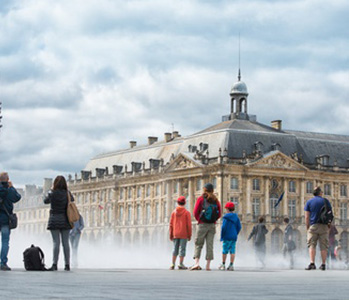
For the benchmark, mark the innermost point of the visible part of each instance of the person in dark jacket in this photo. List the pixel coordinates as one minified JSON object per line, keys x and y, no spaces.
{"x":75,"y":234}
{"x":258,"y":233}
{"x":229,"y":234}
{"x":58,"y":222}
{"x":8,"y":196}
{"x":289,"y":246}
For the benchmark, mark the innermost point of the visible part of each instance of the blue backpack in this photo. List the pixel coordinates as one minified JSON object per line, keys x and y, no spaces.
{"x":210,"y":212}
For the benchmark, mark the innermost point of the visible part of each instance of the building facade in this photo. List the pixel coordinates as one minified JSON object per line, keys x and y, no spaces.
{"x":127,"y":196}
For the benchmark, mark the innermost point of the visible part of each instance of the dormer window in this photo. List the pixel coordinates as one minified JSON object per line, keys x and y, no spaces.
{"x":324,"y":160}
{"x":258,"y":146}
{"x":275,"y":146}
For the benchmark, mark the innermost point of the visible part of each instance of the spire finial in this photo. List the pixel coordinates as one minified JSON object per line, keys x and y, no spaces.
{"x":239,"y":75}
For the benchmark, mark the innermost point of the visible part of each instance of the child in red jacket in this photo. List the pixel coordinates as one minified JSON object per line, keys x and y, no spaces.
{"x":180,"y":232}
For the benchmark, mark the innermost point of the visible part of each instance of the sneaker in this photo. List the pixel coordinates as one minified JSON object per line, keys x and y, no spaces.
{"x":311,"y":267}
{"x":323,"y":267}
{"x":230,"y":268}
{"x":5,"y":267}
{"x":222,"y":267}
{"x":172,"y":267}
{"x":182,"y":267}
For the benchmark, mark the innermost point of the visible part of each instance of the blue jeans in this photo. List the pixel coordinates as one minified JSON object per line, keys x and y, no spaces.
{"x":179,"y":246}
{"x":5,"y":243}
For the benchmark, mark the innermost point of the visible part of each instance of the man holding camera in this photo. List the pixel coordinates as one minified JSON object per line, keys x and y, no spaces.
{"x":8,"y":196}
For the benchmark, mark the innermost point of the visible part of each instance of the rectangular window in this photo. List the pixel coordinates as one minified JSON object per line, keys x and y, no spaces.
{"x":165,"y":209}
{"x":129,"y":193}
{"x":292,"y":186}
{"x":175,"y":187}
{"x":256,"y":185}
{"x":343,"y":191}
{"x":292,"y":208}
{"x":309,"y":187}
{"x":275,"y":211}
{"x":139,"y":192}
{"x":157,"y":212}
{"x":165,"y":188}
{"x":344,"y":211}
{"x":235,"y":200}
{"x":198,"y":184}
{"x":139,"y":213}
{"x":214,"y":182}
{"x":121,"y":213}
{"x":148,"y":213}
{"x":256,"y":207}
{"x":234,"y":183}
{"x":129,"y":213}
{"x":157,"y":190}
{"x":148,"y":191}
{"x":121,"y":193}
{"x":327,"y":189}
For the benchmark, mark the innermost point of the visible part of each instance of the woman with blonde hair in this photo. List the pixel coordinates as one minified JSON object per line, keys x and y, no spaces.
{"x":58,"y":222}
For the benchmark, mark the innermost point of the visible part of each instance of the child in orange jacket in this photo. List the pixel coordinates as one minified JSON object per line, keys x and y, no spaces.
{"x":180,"y":232}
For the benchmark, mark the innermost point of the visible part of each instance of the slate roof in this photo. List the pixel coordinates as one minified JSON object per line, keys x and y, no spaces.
{"x":236,"y":136}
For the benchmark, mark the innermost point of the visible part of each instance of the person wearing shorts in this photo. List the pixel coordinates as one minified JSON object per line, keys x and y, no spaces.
{"x":316,"y":232}
{"x":180,"y":232}
{"x":229,"y":233}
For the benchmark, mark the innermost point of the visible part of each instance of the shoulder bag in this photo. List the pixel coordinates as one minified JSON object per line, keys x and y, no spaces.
{"x":72,"y":211}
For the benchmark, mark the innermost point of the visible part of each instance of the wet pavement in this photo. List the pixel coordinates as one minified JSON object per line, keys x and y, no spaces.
{"x":164,"y":284}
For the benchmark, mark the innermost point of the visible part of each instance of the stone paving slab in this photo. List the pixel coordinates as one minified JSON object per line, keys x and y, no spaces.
{"x":165,"y":284}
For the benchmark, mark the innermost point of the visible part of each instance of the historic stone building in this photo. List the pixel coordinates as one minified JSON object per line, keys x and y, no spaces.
{"x":127,"y":196}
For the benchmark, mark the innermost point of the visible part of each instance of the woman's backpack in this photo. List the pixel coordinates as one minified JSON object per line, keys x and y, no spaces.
{"x":210,"y":212}
{"x":34,"y":259}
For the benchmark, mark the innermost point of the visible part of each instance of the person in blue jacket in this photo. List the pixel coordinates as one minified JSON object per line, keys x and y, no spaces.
{"x":229,"y":235}
{"x":8,"y":196}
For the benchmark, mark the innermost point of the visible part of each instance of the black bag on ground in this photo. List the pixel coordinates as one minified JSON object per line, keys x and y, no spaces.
{"x":34,"y":259}
{"x":326,"y":214}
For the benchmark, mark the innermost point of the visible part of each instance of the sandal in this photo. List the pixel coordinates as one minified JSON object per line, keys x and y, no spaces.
{"x":195,"y":268}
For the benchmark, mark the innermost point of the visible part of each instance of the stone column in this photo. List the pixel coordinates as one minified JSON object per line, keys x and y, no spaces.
{"x":169,"y":199}
{"x":191,"y":196}
{"x":248,"y":199}
{"x":266,"y":200}
{"x":284,"y":202}
{"x":302,"y":200}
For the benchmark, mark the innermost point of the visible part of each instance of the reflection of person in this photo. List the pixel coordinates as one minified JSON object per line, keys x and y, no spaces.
{"x":316,"y":231}
{"x":75,"y":234}
{"x":58,"y":222}
{"x":258,"y":233}
{"x":8,"y":196}
{"x":332,"y":241}
{"x":229,"y":234}
{"x":180,"y":232}
{"x":207,"y":211}
{"x":289,"y":245}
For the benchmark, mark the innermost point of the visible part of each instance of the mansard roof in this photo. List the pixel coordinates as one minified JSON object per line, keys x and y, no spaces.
{"x":240,"y":138}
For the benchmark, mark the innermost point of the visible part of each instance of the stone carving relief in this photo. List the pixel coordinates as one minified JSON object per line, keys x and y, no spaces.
{"x":279,"y":162}
{"x":184,"y":164}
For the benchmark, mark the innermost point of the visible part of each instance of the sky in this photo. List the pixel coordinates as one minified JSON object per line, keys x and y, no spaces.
{"x":79,"y":78}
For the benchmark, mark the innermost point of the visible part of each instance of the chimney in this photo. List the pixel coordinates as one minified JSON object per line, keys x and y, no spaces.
{"x":175,"y":134}
{"x":168,"y":136}
{"x":152,"y":140}
{"x":133,"y":144}
{"x":276,"y":124}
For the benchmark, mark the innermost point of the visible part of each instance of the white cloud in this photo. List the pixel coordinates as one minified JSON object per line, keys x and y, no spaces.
{"x":78,"y":78}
